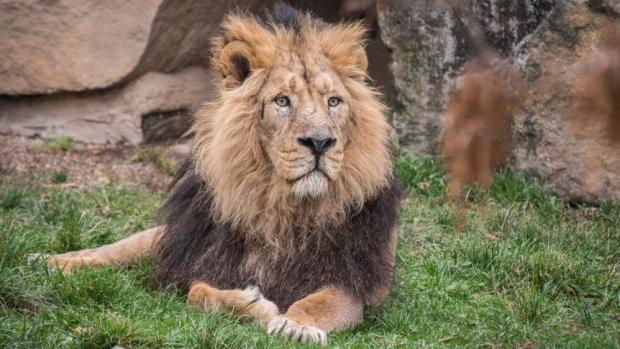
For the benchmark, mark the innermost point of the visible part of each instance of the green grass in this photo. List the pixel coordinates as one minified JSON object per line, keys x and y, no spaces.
{"x":61,"y":143}
{"x":156,"y":156}
{"x":59,"y":177}
{"x":525,"y":270}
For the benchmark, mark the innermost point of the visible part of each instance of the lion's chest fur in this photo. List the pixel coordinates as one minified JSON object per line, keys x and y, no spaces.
{"x":257,"y":265}
{"x":357,"y":258}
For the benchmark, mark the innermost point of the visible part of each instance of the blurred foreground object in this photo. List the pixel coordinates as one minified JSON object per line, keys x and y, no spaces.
{"x":544,"y":40}
{"x":477,"y":123}
{"x":598,"y":89}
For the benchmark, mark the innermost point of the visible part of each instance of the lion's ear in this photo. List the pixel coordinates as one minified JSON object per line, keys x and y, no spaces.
{"x":344,"y":46}
{"x":238,"y":52}
{"x":235,"y":62}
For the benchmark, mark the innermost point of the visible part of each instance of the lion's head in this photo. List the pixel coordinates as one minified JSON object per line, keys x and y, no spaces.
{"x":296,"y":136}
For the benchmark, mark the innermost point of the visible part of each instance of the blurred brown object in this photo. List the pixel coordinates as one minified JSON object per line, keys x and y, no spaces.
{"x":597,"y":88}
{"x":477,"y":134}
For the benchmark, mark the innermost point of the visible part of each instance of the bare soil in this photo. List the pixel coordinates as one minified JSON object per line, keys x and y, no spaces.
{"x":30,"y":162}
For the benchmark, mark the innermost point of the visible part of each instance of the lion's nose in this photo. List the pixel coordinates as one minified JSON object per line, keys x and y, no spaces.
{"x":318,"y":145}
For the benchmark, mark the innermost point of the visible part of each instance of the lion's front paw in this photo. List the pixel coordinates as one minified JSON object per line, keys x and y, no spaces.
{"x":257,"y":306}
{"x":210,"y":298}
{"x":281,"y":325}
{"x":250,"y":294}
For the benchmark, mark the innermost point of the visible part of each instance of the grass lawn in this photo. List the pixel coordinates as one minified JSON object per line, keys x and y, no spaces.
{"x":525,"y":270}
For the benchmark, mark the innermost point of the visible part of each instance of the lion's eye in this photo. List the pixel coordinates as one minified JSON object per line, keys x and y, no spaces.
{"x":282,"y":101}
{"x":334,"y":101}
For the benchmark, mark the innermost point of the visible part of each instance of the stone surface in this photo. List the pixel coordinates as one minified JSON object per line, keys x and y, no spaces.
{"x":547,"y":40}
{"x":110,"y":116}
{"x":76,"y":45}
{"x":610,"y":7}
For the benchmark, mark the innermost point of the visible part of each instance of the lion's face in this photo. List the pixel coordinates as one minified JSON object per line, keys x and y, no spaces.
{"x":296,"y":136}
{"x":304,"y":115}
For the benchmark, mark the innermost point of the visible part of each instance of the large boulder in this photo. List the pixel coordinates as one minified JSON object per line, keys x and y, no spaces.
{"x":116,"y":115}
{"x":79,"y":45}
{"x":106,"y":71}
{"x":547,"y":40}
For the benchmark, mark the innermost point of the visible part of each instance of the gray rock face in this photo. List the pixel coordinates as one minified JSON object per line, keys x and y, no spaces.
{"x":106,"y":71}
{"x":113,"y":115}
{"x":431,"y":41}
{"x":547,"y":40}
{"x":610,"y":7}
{"x":75,"y":45}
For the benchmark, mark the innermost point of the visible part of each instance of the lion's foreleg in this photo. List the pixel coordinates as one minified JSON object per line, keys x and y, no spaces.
{"x":122,"y":252}
{"x":245,"y":304}
{"x":311,"y":318}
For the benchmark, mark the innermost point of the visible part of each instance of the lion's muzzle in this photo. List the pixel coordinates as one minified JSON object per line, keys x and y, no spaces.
{"x":318,"y":145}
{"x":312,"y":185}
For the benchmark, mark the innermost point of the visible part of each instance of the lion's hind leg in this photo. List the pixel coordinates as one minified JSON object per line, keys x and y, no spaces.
{"x":122,"y":252}
{"x":248,"y":303}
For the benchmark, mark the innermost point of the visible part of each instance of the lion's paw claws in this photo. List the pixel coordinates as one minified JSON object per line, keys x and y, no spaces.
{"x":290,"y":329}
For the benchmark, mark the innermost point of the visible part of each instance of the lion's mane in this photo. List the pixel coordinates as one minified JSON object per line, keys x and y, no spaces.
{"x":228,"y":153}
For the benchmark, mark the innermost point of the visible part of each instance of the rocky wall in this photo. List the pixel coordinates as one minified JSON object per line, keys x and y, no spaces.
{"x":547,"y":41}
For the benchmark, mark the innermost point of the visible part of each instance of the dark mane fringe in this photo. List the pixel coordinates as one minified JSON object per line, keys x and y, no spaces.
{"x":179,"y":175}
{"x":187,"y":211}
{"x":285,"y":16}
{"x":194,"y":247}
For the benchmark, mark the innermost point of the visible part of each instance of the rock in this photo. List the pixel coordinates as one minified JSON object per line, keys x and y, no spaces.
{"x":113,"y":115}
{"x":73,"y":45}
{"x":430,"y":45}
{"x":547,"y":40}
{"x":579,"y":165}
{"x":106,"y":72}
{"x":611,"y":7}
{"x":165,"y":125}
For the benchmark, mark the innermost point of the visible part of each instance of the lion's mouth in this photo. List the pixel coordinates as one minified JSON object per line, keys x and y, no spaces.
{"x":311,"y":185}
{"x":315,"y":171}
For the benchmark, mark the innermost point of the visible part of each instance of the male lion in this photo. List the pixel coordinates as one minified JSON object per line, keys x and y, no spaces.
{"x":286,"y":212}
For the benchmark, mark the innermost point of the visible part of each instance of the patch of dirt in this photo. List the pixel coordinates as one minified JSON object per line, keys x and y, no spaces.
{"x":26,"y":161}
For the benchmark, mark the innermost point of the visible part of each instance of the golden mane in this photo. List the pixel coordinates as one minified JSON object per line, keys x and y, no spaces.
{"x":227,"y":150}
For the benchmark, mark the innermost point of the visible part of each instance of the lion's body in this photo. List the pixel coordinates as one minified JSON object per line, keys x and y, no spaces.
{"x":358,"y":259}
{"x":288,"y":202}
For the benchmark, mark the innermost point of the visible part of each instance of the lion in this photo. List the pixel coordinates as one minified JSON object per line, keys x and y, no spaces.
{"x":286,"y":211}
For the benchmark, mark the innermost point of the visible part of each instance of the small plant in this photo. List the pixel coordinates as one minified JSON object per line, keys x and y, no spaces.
{"x":155,"y":156}
{"x":59,"y":177}
{"x":62,"y":143}
{"x":530,"y":305}
{"x":10,"y":198}
{"x":166,"y":165}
